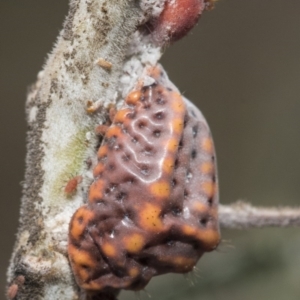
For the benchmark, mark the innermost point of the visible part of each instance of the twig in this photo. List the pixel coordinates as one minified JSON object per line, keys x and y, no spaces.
{"x":61,"y":138}
{"x":241,"y":215}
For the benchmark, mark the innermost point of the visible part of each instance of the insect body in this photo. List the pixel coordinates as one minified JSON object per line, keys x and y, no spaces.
{"x":71,"y":186}
{"x":152,"y":207}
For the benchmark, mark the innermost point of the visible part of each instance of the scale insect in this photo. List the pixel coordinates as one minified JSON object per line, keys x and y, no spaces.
{"x":152,"y":208}
{"x":71,"y":186}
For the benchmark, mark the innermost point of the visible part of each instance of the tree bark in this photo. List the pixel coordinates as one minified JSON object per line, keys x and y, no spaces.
{"x":95,"y":61}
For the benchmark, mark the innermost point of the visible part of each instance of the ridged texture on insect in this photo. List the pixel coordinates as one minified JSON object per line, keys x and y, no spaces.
{"x":152,"y":208}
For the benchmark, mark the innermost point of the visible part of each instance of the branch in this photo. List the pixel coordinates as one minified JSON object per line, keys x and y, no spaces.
{"x":242,"y":215}
{"x":98,"y":57}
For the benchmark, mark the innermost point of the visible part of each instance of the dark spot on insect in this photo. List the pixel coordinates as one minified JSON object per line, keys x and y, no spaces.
{"x":145,"y":170}
{"x":159,"y":115}
{"x":212,"y":157}
{"x":157,"y":133}
{"x":80,"y":220}
{"x":186,"y":119}
{"x":147,"y":106}
{"x":204,"y":221}
{"x":111,"y":167}
{"x":193,"y":153}
{"x":180,"y":145}
{"x":84,"y":266}
{"x":196,"y":246}
{"x":185,"y":193}
{"x":142,"y":124}
{"x":134,"y":140}
{"x":128,"y":215}
{"x":213,"y":178}
{"x":131,"y":115}
{"x":121,"y":196}
{"x":107,"y":191}
{"x":126,"y":157}
{"x":159,"y":90}
{"x":174,"y":182}
{"x":119,"y":272}
{"x":195,"y":131}
{"x":92,"y":223}
{"x":145,"y":261}
{"x":176,"y":163}
{"x":148,"y":150}
{"x":160,"y":101}
{"x":193,"y":113}
{"x":169,"y":89}
{"x":99,"y":259}
{"x":210,"y":201}
{"x":170,"y":243}
{"x":144,"y":89}
{"x":176,"y":211}
{"x":112,"y":187}
{"x":129,"y":180}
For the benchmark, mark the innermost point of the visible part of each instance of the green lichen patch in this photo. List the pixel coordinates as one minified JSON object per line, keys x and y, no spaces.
{"x":73,"y":158}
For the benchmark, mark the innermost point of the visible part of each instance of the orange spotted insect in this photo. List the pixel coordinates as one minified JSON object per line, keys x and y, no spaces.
{"x":152,"y":208}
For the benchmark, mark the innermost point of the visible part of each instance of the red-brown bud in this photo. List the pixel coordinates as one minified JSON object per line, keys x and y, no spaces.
{"x":177,"y":19}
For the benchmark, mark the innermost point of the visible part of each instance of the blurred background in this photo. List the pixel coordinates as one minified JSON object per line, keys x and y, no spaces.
{"x":241,"y":66}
